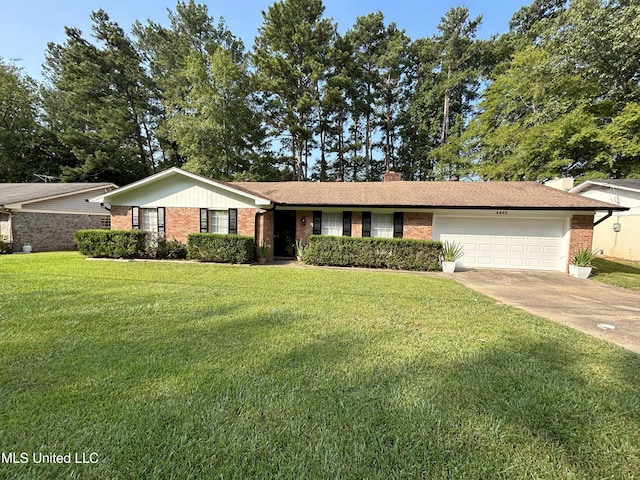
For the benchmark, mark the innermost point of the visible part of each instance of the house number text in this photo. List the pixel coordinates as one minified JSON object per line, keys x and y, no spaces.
{"x":501,"y":212}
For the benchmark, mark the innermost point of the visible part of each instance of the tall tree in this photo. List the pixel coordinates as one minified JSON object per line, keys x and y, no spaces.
{"x":217,"y":128}
{"x":17,"y":123}
{"x":192,"y":34}
{"x":96,"y":104}
{"x":447,"y":87}
{"x":289,"y":54}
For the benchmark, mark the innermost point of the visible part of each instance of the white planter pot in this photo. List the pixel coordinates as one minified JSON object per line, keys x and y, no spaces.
{"x":579,"y":272}
{"x":26,"y":248}
{"x":449,"y":267}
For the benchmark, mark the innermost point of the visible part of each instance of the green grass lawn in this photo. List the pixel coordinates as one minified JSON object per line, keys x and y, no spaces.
{"x":620,"y":273}
{"x":208,"y":371}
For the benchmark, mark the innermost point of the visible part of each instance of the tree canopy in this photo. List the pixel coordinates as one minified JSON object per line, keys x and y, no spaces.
{"x":556,"y":95}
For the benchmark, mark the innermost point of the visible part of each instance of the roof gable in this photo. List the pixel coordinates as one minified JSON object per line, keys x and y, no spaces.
{"x":180,"y":187}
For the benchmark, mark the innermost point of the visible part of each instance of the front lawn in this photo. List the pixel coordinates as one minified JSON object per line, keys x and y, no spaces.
{"x":211,"y":371}
{"x":621,"y":273}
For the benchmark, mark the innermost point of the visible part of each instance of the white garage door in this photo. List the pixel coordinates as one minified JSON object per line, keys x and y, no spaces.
{"x":518,"y":243}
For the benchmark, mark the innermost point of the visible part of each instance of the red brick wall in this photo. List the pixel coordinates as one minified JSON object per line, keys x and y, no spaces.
{"x":265,"y":230}
{"x":180,"y":222}
{"x":303,"y":232}
{"x":247,"y":221}
{"x":581,"y":235}
{"x":418,"y":225}
{"x":120,"y":217}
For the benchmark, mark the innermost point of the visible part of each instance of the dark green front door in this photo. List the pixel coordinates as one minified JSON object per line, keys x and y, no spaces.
{"x":284,"y":233}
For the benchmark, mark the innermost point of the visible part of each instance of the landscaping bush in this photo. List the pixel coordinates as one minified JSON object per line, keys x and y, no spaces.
{"x":111,"y":243}
{"x":213,"y":247}
{"x":171,"y":249}
{"x":397,"y":253}
{"x":5,"y":247}
{"x":160,"y":248}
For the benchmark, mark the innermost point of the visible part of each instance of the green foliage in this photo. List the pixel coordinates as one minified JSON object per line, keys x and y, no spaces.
{"x":5,"y":247}
{"x":219,"y":371}
{"x":290,"y":54}
{"x":396,"y":253}
{"x":111,"y":243}
{"x":583,"y":257}
{"x":212,"y":247}
{"x":622,"y":273}
{"x":451,"y":251}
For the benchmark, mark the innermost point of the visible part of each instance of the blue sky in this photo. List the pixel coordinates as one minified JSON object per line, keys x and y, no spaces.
{"x":27,"y":26}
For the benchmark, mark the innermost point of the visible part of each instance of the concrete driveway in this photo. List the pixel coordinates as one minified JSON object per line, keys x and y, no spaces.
{"x":600,"y":310}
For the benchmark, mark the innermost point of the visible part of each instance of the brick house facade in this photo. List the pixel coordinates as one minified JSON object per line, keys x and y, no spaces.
{"x":510,"y":224}
{"x":46,"y":215}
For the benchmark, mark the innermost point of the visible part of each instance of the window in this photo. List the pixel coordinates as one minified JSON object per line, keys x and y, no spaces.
{"x":149,"y":219}
{"x":382,"y":225}
{"x":219,"y":221}
{"x":332,"y":224}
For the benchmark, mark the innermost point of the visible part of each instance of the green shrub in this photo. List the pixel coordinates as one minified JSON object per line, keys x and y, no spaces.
{"x":171,"y":249}
{"x":111,"y":243}
{"x":5,"y":247}
{"x":213,"y":247}
{"x":396,"y":253}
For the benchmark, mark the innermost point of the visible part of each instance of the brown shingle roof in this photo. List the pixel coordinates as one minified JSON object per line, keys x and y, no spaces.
{"x":29,"y":192}
{"x":514,"y":195}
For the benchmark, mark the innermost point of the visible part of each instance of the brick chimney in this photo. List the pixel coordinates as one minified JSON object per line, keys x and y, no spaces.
{"x":392,"y":176}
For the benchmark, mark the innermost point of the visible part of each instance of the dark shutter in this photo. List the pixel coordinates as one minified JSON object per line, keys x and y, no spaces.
{"x":204,"y":220}
{"x":233,"y":221}
{"x":161,"y":221}
{"x":366,"y":224}
{"x":397,"y":224}
{"x":346,"y":224}
{"x":317,"y":222}
{"x":135,"y":218}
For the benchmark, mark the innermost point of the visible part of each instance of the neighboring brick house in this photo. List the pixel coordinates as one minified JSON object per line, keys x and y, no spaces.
{"x":520,"y":225}
{"x":45,"y":215}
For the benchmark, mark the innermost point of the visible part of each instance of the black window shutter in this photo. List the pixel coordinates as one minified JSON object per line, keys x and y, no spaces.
{"x":397,"y":224}
{"x":161,"y":221}
{"x":366,"y":224}
{"x":233,"y":221}
{"x":204,"y":220}
{"x":135,"y":218}
{"x":346,"y":224}
{"x":317,"y":222}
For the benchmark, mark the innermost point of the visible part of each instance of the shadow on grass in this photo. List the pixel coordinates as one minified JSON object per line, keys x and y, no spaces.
{"x":607,"y":266}
{"x":233,"y":392}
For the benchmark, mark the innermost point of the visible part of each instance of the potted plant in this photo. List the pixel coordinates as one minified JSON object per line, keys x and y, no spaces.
{"x":299,"y":249}
{"x":262,"y":251}
{"x":581,"y":263}
{"x":451,"y":252}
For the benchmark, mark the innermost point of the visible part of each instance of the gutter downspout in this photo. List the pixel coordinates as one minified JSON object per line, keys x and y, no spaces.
{"x":604,"y":218}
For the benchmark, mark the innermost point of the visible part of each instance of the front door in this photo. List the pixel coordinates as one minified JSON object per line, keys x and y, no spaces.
{"x":284,"y":233}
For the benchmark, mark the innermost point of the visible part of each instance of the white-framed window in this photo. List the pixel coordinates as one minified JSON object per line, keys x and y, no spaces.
{"x":149,"y":219}
{"x":219,"y":221}
{"x":382,"y":225}
{"x":332,"y":223}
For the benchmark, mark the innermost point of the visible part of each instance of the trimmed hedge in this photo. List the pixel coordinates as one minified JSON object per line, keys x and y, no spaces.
{"x":213,"y":247}
{"x":395,"y":253}
{"x":111,"y":243}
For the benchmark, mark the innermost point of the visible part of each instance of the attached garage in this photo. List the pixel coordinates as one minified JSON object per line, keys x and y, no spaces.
{"x":517,"y":225}
{"x":506,"y":242}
